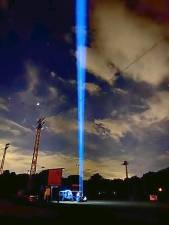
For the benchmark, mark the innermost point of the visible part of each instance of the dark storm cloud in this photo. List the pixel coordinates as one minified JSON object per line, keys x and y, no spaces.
{"x":125,"y":97}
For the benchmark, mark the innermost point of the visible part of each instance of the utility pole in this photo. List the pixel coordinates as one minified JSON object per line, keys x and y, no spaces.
{"x":125,"y":163}
{"x":3,"y":158}
{"x":39,"y":127}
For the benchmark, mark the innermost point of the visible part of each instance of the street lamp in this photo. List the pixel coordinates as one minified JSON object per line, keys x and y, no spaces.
{"x":125,"y":163}
{"x":160,"y":189}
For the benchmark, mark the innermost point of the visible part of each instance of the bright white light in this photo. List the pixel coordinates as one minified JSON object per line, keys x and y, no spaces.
{"x":160,"y":189}
{"x":85,"y":198}
{"x":38,"y":103}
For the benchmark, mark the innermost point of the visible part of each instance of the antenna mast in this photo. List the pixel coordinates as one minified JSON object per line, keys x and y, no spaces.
{"x":3,"y":158}
{"x":39,"y":127}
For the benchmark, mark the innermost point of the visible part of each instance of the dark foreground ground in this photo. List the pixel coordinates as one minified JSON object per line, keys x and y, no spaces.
{"x":91,"y":212}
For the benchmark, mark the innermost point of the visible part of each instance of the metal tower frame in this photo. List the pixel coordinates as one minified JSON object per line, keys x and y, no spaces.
{"x":39,"y":127}
{"x":3,"y":158}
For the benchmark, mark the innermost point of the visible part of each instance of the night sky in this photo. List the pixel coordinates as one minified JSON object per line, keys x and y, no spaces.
{"x":127,"y":85}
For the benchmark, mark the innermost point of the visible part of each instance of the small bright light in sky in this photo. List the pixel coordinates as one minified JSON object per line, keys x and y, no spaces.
{"x":38,"y":103}
{"x":53,"y":74}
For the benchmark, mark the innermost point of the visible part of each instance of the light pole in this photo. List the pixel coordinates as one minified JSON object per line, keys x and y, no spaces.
{"x":3,"y":158}
{"x":125,"y":163}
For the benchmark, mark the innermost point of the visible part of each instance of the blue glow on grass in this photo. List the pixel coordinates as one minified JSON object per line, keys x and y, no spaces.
{"x":81,"y":25}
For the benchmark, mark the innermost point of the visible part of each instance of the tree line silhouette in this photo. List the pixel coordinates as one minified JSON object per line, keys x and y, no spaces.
{"x":96,"y":187}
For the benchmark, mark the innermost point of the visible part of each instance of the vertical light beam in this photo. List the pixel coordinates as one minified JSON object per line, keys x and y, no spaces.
{"x":81,"y":29}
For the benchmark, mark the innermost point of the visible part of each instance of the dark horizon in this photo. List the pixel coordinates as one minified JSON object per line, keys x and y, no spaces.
{"x":127,"y":113}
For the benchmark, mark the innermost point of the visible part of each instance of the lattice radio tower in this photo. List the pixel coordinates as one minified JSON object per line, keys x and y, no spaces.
{"x":3,"y":158}
{"x":39,"y":127}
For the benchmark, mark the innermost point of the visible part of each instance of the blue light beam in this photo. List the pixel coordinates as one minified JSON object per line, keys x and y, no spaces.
{"x":81,"y":27}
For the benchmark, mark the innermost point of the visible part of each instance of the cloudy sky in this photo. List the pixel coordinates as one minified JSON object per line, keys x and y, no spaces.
{"x":127,"y":85}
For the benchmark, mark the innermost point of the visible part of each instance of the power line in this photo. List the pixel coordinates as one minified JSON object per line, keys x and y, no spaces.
{"x":141,"y":56}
